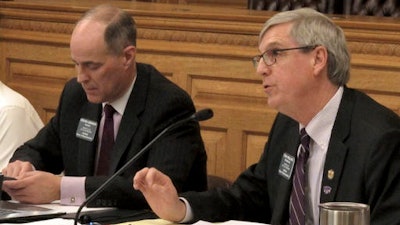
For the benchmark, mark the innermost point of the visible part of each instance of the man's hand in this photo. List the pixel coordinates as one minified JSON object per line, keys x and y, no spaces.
{"x":17,"y":168}
{"x":160,"y":193}
{"x":35,"y":187}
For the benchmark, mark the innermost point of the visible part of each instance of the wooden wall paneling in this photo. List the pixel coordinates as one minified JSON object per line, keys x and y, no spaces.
{"x":375,"y":51}
{"x":254,"y":146}
{"x":235,"y":95}
{"x":225,"y":3}
{"x":38,"y":71}
{"x":381,"y":82}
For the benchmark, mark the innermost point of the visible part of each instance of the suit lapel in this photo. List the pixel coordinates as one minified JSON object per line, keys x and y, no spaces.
{"x":337,"y":150}
{"x":87,"y":149}
{"x":289,"y":146}
{"x":332,"y":170}
{"x":128,"y":127}
{"x":130,"y":120}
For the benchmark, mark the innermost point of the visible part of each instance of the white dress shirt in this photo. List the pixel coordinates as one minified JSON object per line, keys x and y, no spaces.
{"x":319,"y":129}
{"x":19,"y":122}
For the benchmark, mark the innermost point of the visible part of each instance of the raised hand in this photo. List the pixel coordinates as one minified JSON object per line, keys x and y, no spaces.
{"x":160,"y":193}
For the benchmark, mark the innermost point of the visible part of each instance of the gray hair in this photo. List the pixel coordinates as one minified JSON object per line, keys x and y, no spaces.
{"x":121,"y":27}
{"x":314,"y":28}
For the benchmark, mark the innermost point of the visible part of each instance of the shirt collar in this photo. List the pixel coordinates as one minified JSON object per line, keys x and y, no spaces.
{"x":120,"y":104}
{"x":320,"y":127}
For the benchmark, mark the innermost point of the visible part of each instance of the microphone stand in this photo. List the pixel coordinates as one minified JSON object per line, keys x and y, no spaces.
{"x":199,"y":116}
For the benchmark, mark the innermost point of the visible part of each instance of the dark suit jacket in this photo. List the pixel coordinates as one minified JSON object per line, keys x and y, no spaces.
{"x":364,"y":152}
{"x":154,"y":103}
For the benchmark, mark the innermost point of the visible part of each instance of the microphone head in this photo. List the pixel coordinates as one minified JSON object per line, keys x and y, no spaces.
{"x":204,"y":114}
{"x":85,"y":219}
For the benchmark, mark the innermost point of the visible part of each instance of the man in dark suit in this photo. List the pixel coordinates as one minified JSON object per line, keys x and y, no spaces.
{"x":354,"y":147}
{"x":103,"y":51}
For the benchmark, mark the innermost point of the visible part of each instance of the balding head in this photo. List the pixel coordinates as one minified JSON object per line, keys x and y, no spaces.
{"x":119,"y":27}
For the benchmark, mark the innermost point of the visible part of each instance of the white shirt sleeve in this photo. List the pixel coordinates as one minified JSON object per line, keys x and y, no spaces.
{"x":189,"y":214}
{"x":72,"y":190}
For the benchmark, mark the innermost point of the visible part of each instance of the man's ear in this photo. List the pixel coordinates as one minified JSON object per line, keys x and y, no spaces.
{"x":129,"y":55}
{"x":320,"y":59}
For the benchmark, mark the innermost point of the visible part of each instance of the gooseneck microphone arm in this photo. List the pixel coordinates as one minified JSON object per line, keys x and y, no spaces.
{"x":201,"y":115}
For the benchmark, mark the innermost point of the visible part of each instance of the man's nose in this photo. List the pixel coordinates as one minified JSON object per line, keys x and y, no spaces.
{"x":81,"y":74}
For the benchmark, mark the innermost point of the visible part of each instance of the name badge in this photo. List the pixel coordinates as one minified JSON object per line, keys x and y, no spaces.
{"x":286,"y":166}
{"x":86,"y":129}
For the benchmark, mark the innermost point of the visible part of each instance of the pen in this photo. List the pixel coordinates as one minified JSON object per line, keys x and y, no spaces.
{"x":9,"y":178}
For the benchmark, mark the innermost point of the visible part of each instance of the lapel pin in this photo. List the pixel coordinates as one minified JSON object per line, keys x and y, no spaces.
{"x":331,"y":174}
{"x":327,"y":190}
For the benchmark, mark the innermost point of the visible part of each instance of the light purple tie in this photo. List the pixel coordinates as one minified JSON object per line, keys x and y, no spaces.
{"x":297,"y":199}
{"x":107,"y":142}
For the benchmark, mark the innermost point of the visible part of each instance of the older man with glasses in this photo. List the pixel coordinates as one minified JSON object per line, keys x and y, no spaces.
{"x":329,"y":143}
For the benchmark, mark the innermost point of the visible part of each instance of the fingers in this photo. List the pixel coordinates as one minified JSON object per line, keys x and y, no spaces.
{"x":147,"y":178}
{"x":15,"y":188}
{"x":34,"y":187}
{"x":140,"y":178}
{"x":17,"y":168}
{"x":160,"y":193}
{"x":23,"y":181}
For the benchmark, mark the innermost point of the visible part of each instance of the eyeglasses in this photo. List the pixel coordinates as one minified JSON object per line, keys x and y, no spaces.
{"x":270,"y":55}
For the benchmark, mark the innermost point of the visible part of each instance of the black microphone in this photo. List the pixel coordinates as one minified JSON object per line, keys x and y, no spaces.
{"x":201,"y":115}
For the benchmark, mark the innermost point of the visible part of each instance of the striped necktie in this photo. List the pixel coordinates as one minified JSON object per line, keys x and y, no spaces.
{"x":297,"y":199}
